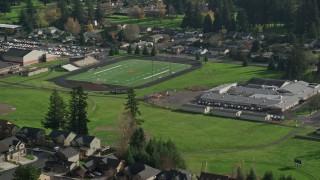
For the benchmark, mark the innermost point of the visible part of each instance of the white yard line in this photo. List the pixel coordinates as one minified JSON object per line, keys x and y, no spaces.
{"x":107,"y":69}
{"x":156,"y":74}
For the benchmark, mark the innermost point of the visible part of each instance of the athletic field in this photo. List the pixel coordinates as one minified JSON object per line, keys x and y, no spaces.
{"x":130,"y":73}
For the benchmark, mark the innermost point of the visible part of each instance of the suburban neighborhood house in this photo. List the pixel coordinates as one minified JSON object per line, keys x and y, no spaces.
{"x":7,"y":129}
{"x":87,"y":145}
{"x":62,"y":138}
{"x":11,"y":149}
{"x":138,"y":171}
{"x":31,"y":135}
{"x":257,"y":99}
{"x":64,"y":160}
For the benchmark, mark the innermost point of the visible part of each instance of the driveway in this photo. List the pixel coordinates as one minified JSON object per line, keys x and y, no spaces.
{"x":39,"y":163}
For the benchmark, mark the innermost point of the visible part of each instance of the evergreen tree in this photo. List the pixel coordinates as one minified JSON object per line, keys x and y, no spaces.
{"x":91,"y":12}
{"x":99,"y":13}
{"x":154,"y":51}
{"x":57,"y":113}
{"x":242,"y":20}
{"x":281,"y":66}
{"x":129,"y":50}
{"x":245,"y":62}
{"x":82,"y":39}
{"x":207,"y":24}
{"x":145,"y":51}
{"x":77,"y":12}
{"x":255,"y":46}
{"x":252,"y":175}
{"x":205,"y":60}
{"x":132,"y":104}
{"x":138,"y":139}
{"x":197,"y":56}
{"x":268,"y":176}
{"x":78,"y":116}
{"x":137,"y":50}
{"x":28,"y":172}
{"x":217,"y":23}
{"x":271,"y":65}
{"x":116,"y":51}
{"x":296,"y":63}
{"x":5,"y":6}
{"x":111,"y":52}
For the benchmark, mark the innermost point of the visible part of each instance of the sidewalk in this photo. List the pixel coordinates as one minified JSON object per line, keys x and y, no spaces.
{"x":7,"y":165}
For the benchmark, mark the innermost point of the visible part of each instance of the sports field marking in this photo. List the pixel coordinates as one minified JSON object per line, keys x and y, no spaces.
{"x":107,"y":69}
{"x":156,"y":74}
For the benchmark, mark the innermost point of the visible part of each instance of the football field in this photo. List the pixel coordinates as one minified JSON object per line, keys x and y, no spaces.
{"x":130,"y":73}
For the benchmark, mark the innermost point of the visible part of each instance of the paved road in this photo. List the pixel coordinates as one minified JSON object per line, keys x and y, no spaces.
{"x":42,"y":158}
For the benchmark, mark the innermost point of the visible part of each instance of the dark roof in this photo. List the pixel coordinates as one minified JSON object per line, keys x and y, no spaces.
{"x":267,"y":82}
{"x":4,"y":64}
{"x":31,"y":131}
{"x":5,"y":123}
{"x":109,"y":160}
{"x":209,"y":176}
{"x":69,"y":152}
{"x":143,"y":170}
{"x":173,"y":174}
{"x":11,"y":141}
{"x":17,"y":52}
{"x":56,"y":133}
{"x":84,"y":139}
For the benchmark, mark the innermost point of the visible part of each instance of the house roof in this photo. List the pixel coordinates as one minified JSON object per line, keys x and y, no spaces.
{"x":11,"y":141}
{"x":174,"y":174}
{"x":144,"y":171}
{"x":57,"y":133}
{"x":17,"y":52}
{"x":68,"y":152}
{"x":83,"y":139}
{"x":7,"y":124}
{"x":31,"y":131}
{"x":109,"y":160}
{"x":209,"y":176}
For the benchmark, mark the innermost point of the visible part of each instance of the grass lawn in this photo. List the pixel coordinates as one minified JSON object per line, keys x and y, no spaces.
{"x":30,"y":157}
{"x":130,"y":73}
{"x":147,"y":21}
{"x":304,"y":112}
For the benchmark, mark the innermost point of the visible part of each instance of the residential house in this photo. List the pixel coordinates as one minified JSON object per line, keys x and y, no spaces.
{"x":87,"y":145}
{"x":209,"y":176}
{"x":178,"y":49}
{"x":7,"y":129}
{"x":62,"y":138}
{"x":51,"y":30}
{"x":217,"y":51}
{"x":31,"y":135}
{"x":64,"y":160}
{"x":174,"y":174}
{"x":138,"y":171}
{"x":109,"y":166}
{"x":12,"y":149}
{"x":155,"y":38}
{"x":192,"y":40}
{"x":232,"y":44}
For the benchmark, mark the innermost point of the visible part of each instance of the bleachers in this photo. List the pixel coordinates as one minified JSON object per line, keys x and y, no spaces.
{"x":88,"y":61}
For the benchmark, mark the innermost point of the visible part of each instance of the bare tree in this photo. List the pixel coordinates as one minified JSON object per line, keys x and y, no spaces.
{"x":161,"y":10}
{"x":131,"y":33}
{"x":52,"y":15}
{"x":127,"y":125}
{"x":138,"y":13}
{"x":72,"y":26}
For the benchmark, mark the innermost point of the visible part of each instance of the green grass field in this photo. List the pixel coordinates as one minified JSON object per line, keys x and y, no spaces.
{"x":130,"y":73}
{"x":147,"y":21}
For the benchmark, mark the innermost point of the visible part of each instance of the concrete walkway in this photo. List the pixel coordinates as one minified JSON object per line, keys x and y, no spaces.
{"x":7,"y":165}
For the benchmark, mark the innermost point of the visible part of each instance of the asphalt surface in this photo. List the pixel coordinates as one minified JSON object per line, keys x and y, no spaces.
{"x":40,"y":163}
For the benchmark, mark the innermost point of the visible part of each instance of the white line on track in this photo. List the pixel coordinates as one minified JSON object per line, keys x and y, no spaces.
{"x":107,"y":69}
{"x":156,"y":74}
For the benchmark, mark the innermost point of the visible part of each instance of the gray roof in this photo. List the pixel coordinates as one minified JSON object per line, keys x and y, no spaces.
{"x":84,"y":139}
{"x":11,"y":141}
{"x":17,"y":52}
{"x":267,"y":82}
{"x":144,"y":171}
{"x":56,"y":133}
{"x":69,"y":152}
{"x":31,"y":131}
{"x":250,"y":91}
